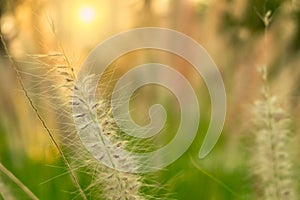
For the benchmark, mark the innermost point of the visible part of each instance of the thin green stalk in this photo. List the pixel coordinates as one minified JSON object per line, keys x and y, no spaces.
{"x":15,"y":67}
{"x":21,"y":185}
{"x":212,"y":177}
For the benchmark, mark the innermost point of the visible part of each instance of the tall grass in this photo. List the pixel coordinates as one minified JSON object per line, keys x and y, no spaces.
{"x":50,"y":79}
{"x":56,"y":144}
{"x":106,"y":183}
{"x":271,"y":161}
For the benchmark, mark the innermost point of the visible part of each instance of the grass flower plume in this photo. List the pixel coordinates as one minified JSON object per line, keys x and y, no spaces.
{"x":271,"y":156}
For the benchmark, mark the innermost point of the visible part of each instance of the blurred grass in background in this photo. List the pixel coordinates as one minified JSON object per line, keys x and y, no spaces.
{"x":230,"y":30}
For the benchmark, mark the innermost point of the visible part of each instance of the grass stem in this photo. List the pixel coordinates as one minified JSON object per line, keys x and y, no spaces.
{"x":14,"y":65}
{"x":21,"y":185}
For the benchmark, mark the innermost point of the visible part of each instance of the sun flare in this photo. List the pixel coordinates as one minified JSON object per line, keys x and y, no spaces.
{"x":87,"y":14}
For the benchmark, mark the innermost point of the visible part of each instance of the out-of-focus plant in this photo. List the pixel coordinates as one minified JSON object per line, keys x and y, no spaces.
{"x":272,"y":163}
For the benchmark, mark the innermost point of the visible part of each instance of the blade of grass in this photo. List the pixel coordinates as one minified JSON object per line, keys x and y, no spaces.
{"x":212,"y":177}
{"x":21,"y":185}
{"x":15,"y":67}
{"x":1,"y":196}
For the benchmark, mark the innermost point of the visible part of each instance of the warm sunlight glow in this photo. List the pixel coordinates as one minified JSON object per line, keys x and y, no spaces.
{"x":87,"y":14}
